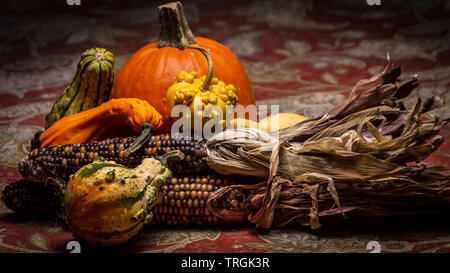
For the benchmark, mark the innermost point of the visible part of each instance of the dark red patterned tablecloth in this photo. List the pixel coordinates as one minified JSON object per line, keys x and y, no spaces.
{"x":303,"y":55}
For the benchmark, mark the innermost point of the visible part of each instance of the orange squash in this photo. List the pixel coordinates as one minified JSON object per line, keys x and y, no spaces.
{"x":153,"y":69}
{"x":114,"y":118}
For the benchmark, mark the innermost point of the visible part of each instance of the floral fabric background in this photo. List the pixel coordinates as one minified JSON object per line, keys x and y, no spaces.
{"x":303,"y":55}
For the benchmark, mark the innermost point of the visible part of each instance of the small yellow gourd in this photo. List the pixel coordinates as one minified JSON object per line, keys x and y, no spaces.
{"x":280,"y":121}
{"x":270,"y":123}
{"x":189,"y":87}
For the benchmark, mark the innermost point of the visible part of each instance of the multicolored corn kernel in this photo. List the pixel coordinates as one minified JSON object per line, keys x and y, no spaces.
{"x":184,"y":200}
{"x":65,"y":160}
{"x":31,"y":199}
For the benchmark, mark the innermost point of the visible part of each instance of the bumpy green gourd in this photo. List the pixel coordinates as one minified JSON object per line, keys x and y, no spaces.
{"x":90,"y":87}
{"x":106,"y":203}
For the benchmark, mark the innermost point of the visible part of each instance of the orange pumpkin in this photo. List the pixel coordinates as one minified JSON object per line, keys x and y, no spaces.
{"x":153,"y":69}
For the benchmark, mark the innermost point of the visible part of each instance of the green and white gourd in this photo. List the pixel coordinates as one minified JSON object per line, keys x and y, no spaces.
{"x":90,"y":87}
{"x":106,"y":203}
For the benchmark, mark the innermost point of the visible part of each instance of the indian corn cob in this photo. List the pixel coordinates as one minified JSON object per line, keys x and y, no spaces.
{"x":30,"y":198}
{"x":62,"y":161}
{"x":184,"y":200}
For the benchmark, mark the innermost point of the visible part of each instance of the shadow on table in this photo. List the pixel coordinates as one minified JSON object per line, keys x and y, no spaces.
{"x":335,"y":227}
{"x":381,"y":227}
{"x":29,"y":220}
{"x":388,"y":224}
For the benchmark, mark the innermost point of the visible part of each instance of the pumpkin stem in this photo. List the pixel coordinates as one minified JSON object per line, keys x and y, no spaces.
{"x":146,"y":133}
{"x":209,"y":75}
{"x":174,"y":28}
{"x":175,"y":32}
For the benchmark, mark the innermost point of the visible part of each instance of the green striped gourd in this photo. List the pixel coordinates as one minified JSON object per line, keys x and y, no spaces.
{"x":90,"y":87}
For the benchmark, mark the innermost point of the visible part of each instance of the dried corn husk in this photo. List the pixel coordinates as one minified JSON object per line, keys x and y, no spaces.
{"x":339,"y":151}
{"x":304,"y":201}
{"x":360,"y":150}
